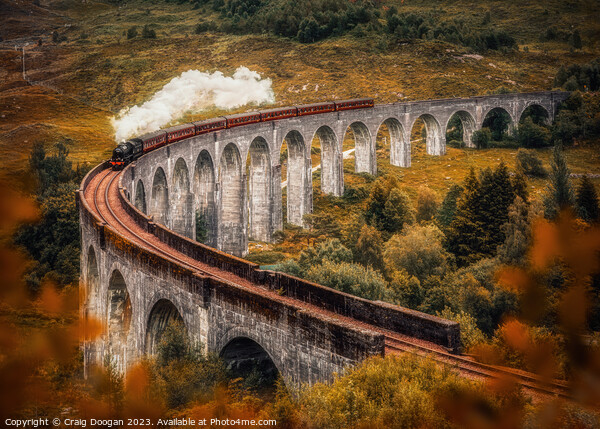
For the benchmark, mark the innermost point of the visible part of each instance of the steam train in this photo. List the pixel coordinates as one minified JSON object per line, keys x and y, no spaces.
{"x":132,"y":149}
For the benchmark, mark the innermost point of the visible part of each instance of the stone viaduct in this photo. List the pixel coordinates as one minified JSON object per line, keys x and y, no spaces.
{"x":135,"y":292}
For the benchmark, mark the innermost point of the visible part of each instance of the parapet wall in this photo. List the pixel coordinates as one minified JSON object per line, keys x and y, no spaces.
{"x":382,"y":315}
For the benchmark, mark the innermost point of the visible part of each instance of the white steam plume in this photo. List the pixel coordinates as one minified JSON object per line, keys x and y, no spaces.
{"x":192,"y":91}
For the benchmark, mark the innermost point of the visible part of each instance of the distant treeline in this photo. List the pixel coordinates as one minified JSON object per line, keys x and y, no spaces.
{"x":310,"y":21}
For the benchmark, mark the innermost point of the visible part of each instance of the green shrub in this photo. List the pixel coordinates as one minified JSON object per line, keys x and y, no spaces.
{"x":419,"y":251}
{"x":132,"y":33}
{"x":350,"y":278}
{"x":148,"y":33}
{"x":265,"y":258}
{"x":482,"y":138}
{"x":470,"y":334}
{"x":393,"y":392}
{"x":532,"y":135}
{"x":530,"y":164}
{"x":182,"y":372}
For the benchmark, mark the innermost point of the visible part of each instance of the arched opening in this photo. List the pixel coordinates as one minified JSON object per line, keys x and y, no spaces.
{"x":204,"y":191}
{"x":232,"y":239}
{"x":93,"y":281}
{"x":391,"y":147}
{"x":140,"y":197}
{"x":163,"y":314}
{"x":159,"y":209}
{"x":259,"y":190}
{"x":538,"y":114}
{"x":247,"y":359}
{"x":426,"y":129}
{"x":295,"y":187}
{"x":364,"y":152}
{"x":325,"y":160}
{"x":181,"y":200}
{"x":460,"y":129}
{"x":499,"y":122}
{"x":119,"y":318}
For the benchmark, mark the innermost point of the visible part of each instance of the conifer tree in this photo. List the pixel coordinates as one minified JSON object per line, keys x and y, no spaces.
{"x":517,"y":231}
{"x":465,"y":231}
{"x":486,"y":210}
{"x":398,"y":210}
{"x":519,"y":184}
{"x":447,"y":210}
{"x":559,"y":193}
{"x":376,"y":203}
{"x":476,"y":230}
{"x":587,"y":201}
{"x":503,"y":195}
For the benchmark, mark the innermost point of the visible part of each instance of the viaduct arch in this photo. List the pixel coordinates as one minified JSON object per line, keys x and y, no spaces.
{"x":232,"y":180}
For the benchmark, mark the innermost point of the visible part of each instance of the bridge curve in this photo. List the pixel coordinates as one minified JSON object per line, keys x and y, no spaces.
{"x":311,"y":331}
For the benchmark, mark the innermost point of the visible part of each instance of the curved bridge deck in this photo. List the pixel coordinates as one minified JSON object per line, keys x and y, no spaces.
{"x":105,"y":207}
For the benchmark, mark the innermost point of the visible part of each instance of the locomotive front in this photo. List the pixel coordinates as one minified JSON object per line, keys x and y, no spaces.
{"x":121,"y":155}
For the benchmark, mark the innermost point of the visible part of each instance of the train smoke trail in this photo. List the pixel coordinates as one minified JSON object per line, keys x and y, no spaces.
{"x":193,"y":91}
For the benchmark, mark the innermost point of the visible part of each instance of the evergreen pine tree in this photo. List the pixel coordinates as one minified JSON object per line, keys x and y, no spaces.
{"x":485,"y":212}
{"x":587,"y":201}
{"x":559,"y":193}
{"x":519,"y":184}
{"x":465,"y":231}
{"x":398,"y":210}
{"x":517,"y":231}
{"x":447,"y":210}
{"x":376,"y":203}
{"x":575,"y":40}
{"x":503,"y":195}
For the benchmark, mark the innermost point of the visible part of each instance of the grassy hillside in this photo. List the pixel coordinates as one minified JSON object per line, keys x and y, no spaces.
{"x":92,"y":70}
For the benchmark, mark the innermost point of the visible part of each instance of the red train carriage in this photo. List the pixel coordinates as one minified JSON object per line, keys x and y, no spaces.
{"x":274,"y":114}
{"x":180,"y":132}
{"x":242,"y":119}
{"x":357,"y":103}
{"x":132,"y":149}
{"x":203,"y":127}
{"x":153,"y":140}
{"x":313,"y":109}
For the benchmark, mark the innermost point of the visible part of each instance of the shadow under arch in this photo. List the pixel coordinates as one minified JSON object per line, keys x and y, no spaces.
{"x":298,"y":184}
{"x":398,"y":146}
{"x":159,"y":209}
{"x":466,"y":122}
{"x":259,"y":190}
{"x":538,"y":114}
{"x":140,"y":197}
{"x":119,"y":318}
{"x":163,"y":314}
{"x":499,"y":121}
{"x":364,"y":152}
{"x":245,"y":358}
{"x":204,"y":192}
{"x":433,"y":134}
{"x":181,"y":200}
{"x":93,"y":280}
{"x":330,"y":160}
{"x":232,"y":236}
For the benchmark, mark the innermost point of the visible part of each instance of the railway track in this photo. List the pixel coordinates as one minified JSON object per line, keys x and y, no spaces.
{"x":105,"y":193}
{"x":469,"y":366}
{"x":104,"y":210}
